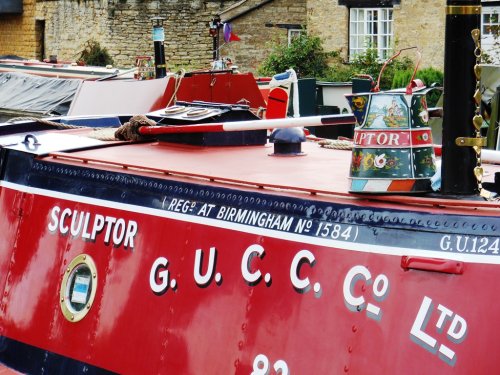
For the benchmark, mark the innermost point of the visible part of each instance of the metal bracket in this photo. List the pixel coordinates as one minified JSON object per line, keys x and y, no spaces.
{"x":471,"y":142}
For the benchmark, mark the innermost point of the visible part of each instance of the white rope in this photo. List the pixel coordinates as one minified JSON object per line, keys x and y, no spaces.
{"x":102,"y":134}
{"x":336,"y":144}
{"x":178,"y":79}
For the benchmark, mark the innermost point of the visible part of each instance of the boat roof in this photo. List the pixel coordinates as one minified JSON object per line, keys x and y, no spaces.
{"x":61,"y":70}
{"x":320,"y":172}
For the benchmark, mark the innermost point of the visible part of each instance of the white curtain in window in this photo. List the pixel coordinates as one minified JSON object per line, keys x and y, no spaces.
{"x":370,"y":28}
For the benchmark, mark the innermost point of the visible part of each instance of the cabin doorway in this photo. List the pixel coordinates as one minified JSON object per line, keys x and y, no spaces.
{"x":40,"y":39}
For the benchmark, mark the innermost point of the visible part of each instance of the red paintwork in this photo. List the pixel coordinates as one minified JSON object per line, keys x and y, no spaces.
{"x":277,"y":103}
{"x":221,"y":88}
{"x":432,"y":264}
{"x":393,"y":138}
{"x":221,"y":329}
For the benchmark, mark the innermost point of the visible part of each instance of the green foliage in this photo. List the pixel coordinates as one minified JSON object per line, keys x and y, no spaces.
{"x":93,"y":54}
{"x":429,"y":76}
{"x":305,"y":55}
{"x":367,"y":63}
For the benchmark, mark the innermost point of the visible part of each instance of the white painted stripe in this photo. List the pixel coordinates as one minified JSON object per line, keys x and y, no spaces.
{"x":377,"y":185}
{"x":325,"y":242}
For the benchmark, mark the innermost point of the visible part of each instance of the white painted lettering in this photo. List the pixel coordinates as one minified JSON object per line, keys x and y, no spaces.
{"x":118,"y":232}
{"x":98,"y":226}
{"x":55,"y":218}
{"x":251,"y":252}
{"x":159,"y":280}
{"x":303,"y":256}
{"x":89,"y":226}
{"x":129,"y":236}
{"x":63,"y":229}
{"x":204,"y":280}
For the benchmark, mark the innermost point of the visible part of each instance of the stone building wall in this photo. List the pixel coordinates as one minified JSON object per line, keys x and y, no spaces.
{"x":124,"y":28}
{"x":416,"y":23}
{"x":329,"y":21}
{"x":421,"y":23}
{"x":17,"y":32}
{"x":257,"y":39}
{"x":69,"y":24}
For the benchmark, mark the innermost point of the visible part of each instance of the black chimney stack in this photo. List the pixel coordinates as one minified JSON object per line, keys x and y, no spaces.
{"x":458,"y":162}
{"x":158,"y":41}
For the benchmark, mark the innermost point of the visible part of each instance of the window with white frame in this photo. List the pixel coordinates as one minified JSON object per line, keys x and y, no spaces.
{"x":490,"y":32}
{"x":293,"y":34}
{"x":371,"y":28}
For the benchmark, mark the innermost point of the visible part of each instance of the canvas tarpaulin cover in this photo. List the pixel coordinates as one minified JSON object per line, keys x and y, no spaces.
{"x":34,"y":94}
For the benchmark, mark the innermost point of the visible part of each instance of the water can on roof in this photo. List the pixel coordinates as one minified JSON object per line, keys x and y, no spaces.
{"x":393,"y":150}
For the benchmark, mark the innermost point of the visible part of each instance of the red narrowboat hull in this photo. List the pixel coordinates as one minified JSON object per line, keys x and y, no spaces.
{"x":204,"y":277}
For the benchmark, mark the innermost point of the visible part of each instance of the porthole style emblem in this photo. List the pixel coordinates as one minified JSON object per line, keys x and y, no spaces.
{"x":78,"y":288}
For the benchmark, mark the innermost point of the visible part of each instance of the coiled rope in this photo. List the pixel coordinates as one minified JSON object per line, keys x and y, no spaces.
{"x":336,"y":144}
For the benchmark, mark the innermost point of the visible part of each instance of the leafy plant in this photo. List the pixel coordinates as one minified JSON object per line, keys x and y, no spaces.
{"x":95,"y":55}
{"x":429,"y":76}
{"x":305,"y":55}
{"x":367,"y":63}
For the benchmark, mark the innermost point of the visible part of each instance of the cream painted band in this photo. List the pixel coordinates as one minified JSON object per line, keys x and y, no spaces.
{"x":463,"y":9}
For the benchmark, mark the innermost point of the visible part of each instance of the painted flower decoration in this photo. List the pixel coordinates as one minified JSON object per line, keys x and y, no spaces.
{"x":424,"y":115}
{"x":356,"y":160}
{"x":358,"y":103}
{"x":392,"y":163}
{"x":380,"y":161}
{"x":368,"y":161}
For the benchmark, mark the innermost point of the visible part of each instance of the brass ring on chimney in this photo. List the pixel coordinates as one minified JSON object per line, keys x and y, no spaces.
{"x":463,"y":9}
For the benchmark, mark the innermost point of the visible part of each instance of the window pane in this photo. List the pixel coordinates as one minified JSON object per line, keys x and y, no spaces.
{"x":364,"y":42}
{"x":371,"y":28}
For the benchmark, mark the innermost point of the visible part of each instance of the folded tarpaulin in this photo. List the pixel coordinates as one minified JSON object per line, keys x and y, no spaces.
{"x":29,"y":93}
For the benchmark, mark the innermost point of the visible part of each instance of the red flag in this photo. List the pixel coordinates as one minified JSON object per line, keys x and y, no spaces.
{"x":229,"y":36}
{"x":234,"y":38}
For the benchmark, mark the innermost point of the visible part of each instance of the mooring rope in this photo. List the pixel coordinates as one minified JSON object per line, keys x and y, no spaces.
{"x":178,"y":79}
{"x":336,"y":144}
{"x":46,"y":122}
{"x":101,"y":134}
